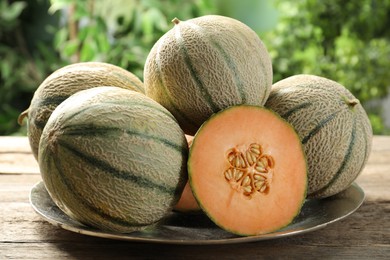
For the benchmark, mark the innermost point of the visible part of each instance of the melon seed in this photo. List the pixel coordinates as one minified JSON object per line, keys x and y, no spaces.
{"x":238,"y":174}
{"x":246,"y":181}
{"x":250,"y":169}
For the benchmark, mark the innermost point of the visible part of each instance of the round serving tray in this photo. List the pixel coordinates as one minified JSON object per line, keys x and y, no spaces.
{"x":196,"y":228}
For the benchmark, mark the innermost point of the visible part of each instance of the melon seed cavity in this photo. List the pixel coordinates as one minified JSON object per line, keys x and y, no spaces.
{"x":250,"y":171}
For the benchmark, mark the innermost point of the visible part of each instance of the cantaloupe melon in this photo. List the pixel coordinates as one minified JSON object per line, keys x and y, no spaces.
{"x":187,"y":202}
{"x":333,"y":126}
{"x":206,"y":64}
{"x":247,"y":170}
{"x":113,"y":159}
{"x":66,"y":81}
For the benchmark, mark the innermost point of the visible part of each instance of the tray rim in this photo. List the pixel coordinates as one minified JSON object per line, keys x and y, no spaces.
{"x":90,"y":231}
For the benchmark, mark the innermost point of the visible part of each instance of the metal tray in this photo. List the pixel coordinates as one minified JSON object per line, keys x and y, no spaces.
{"x":197,"y":228}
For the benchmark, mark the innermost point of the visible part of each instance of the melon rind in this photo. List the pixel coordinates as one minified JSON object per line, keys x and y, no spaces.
{"x":66,"y":81}
{"x":333,"y":126}
{"x":113,"y":159}
{"x":206,"y":64}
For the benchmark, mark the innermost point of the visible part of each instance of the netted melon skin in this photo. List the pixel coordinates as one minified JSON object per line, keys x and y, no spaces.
{"x":66,"y":81}
{"x":113,"y":159}
{"x":206,"y":64}
{"x":333,"y":126}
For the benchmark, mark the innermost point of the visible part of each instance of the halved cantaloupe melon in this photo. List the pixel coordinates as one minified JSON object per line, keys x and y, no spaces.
{"x":247,"y":170}
{"x":187,"y":202}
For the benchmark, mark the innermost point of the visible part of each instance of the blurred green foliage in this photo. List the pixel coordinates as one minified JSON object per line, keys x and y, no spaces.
{"x":40,"y":36}
{"x":346,"y":41}
{"x":121,"y":32}
{"x":26,"y":57}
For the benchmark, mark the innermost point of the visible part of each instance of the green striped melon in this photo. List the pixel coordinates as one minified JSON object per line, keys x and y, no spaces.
{"x":113,"y":159}
{"x":204,"y":65}
{"x":66,"y":81}
{"x":333,"y":126}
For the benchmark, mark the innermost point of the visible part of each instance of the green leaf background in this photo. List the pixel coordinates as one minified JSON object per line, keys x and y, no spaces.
{"x":347,"y":41}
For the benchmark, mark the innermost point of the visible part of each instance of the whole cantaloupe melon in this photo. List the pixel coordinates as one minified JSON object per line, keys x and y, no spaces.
{"x":66,"y":81}
{"x":113,"y":159}
{"x":333,"y":126}
{"x":204,"y":65}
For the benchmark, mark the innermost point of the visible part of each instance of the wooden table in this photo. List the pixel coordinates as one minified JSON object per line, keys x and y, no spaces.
{"x":25,"y":235}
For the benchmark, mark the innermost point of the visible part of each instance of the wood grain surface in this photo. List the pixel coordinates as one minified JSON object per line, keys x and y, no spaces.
{"x":25,"y":235}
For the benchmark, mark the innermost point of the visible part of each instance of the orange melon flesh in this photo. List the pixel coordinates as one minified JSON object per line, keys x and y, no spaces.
{"x":189,"y":139}
{"x":187,"y":202}
{"x":225,"y":203}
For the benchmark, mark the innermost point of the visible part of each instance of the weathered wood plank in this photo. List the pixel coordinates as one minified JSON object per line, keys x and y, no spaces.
{"x":16,"y":156}
{"x":147,"y":251}
{"x":349,"y":238}
{"x":16,"y":188}
{"x":14,"y":144}
{"x":17,"y":163}
{"x":24,"y":225}
{"x":365,"y":232}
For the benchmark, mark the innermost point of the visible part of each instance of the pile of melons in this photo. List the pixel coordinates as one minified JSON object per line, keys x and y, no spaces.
{"x":206,"y":131}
